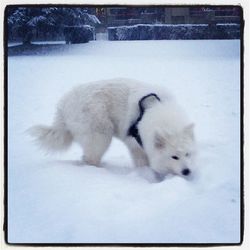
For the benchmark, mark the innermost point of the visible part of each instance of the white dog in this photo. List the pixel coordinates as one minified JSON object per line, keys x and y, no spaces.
{"x":146,"y":118}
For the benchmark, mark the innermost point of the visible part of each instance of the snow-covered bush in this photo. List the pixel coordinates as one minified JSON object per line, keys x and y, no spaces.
{"x":79,"y":34}
{"x":227,"y":31}
{"x":174,"y":32}
{"x":25,"y":23}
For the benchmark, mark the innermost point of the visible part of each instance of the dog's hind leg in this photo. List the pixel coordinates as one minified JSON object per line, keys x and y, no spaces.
{"x":94,"y":147}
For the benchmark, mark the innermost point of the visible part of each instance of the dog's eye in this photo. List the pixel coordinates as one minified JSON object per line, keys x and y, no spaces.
{"x":175,"y":157}
{"x":187,"y":154}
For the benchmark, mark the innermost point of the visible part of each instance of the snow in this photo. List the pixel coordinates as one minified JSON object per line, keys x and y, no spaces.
{"x":37,"y":42}
{"x":53,"y":199}
{"x":37,"y":20}
{"x":159,"y":25}
{"x":228,"y":24}
{"x":93,"y":19}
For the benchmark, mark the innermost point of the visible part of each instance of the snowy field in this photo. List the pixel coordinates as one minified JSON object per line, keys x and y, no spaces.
{"x":51,"y":199}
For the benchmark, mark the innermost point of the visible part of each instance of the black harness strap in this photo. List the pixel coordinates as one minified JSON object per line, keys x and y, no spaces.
{"x":133,"y":129}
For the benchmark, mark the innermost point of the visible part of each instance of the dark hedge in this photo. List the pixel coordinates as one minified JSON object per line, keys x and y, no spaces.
{"x":174,"y":32}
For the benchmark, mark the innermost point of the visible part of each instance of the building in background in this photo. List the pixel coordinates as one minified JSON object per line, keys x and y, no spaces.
{"x":118,"y":16}
{"x":202,"y":15}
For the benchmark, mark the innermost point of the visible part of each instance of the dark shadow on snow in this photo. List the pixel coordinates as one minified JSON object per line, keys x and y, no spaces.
{"x":145,"y":173}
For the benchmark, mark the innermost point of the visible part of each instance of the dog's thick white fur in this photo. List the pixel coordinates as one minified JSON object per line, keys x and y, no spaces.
{"x":91,"y":114}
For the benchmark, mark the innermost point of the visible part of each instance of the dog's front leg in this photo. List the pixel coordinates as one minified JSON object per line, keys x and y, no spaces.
{"x":138,"y":155}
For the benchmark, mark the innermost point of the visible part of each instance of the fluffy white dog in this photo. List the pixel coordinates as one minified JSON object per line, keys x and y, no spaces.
{"x":147,"y":119}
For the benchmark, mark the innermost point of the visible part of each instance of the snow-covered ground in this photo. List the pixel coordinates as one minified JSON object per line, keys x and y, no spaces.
{"x":51,"y":199}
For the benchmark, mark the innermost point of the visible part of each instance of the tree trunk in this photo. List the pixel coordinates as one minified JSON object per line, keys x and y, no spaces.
{"x":27,"y":35}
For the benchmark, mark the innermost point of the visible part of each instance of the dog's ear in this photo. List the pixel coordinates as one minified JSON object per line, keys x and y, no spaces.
{"x":159,"y":141}
{"x":148,"y":101}
{"x":189,"y":131}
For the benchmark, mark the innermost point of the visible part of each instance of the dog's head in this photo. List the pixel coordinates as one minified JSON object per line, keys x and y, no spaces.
{"x":173,"y":153}
{"x":168,"y":138}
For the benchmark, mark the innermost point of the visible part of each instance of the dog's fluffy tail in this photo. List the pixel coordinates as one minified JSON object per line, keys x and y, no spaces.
{"x":52,"y":139}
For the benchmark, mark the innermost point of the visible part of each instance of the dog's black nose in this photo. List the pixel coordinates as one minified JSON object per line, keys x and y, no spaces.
{"x":185,"y":171}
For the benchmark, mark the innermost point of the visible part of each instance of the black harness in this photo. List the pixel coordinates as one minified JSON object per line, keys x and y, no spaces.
{"x":133,"y":129}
